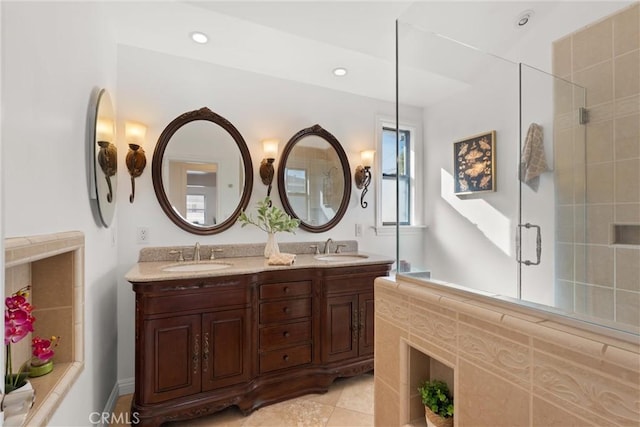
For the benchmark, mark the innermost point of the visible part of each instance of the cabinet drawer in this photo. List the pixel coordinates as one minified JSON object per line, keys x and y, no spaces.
{"x":348,"y":284}
{"x":285,"y":358}
{"x":285,"y":310}
{"x":282,"y":290}
{"x":198,"y":301}
{"x":284,"y":335}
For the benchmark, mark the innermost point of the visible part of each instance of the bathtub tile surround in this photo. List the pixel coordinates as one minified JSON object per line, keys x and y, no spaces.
{"x":496,"y":354}
{"x":53,"y":265}
{"x":603,"y":57}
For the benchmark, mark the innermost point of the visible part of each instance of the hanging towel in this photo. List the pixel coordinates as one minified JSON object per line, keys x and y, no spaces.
{"x":281,"y":259}
{"x":533,"y":162}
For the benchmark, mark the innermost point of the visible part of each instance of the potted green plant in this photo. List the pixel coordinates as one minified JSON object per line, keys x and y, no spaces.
{"x":438,"y":403}
{"x":270,"y":219}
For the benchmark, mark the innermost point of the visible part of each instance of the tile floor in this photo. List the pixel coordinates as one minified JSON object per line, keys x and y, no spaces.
{"x":348,"y":403}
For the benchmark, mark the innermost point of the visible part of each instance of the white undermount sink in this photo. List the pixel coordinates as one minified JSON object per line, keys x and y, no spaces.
{"x":200,"y":266}
{"x":341,"y":257}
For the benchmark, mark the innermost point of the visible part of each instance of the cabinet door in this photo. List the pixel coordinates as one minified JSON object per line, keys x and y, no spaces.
{"x":225,"y":348}
{"x":171,"y":359}
{"x":365,"y":326}
{"x":340,"y":328}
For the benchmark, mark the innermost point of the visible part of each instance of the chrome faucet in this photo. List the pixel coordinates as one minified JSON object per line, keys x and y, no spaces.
{"x":196,"y":252}
{"x":327,"y":248}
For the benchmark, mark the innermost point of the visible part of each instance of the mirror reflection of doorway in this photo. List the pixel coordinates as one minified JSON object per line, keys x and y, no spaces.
{"x":194,"y":191}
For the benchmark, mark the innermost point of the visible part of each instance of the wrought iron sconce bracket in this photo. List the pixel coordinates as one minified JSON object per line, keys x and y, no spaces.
{"x":136,"y":162}
{"x":362,"y":179}
{"x":267,"y":172}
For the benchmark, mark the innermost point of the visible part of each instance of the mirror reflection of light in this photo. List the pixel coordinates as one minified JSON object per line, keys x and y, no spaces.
{"x":491,"y":222}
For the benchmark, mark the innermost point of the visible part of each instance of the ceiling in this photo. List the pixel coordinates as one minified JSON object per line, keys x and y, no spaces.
{"x":304,"y":41}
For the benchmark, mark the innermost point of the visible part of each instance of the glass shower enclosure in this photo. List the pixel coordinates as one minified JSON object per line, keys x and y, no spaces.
{"x":504,"y":177}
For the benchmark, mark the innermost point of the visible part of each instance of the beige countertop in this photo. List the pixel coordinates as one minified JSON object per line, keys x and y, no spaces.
{"x":155,"y":270}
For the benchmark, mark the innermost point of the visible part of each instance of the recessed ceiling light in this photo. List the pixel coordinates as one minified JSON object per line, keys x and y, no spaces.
{"x":199,"y":37}
{"x":340,"y":71}
{"x":524,"y":18}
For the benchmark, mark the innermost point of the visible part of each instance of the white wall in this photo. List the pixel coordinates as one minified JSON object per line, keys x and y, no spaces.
{"x":155,"y":88}
{"x":470,"y":239}
{"x":2,"y":355}
{"x":55,"y":55}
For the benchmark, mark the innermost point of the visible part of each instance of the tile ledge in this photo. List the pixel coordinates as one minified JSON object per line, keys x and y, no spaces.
{"x":41,"y":414}
{"x":532,"y":313}
{"x":22,"y":250}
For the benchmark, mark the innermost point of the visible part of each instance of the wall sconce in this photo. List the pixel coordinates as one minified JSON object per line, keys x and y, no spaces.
{"x":270,"y":147}
{"x":362,"y":176}
{"x":136,"y":159}
{"x":108,"y":154}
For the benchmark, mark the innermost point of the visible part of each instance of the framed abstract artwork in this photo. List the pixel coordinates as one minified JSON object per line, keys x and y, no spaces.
{"x":474,"y":164}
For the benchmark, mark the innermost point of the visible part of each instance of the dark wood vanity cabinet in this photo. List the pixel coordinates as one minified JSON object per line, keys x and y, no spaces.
{"x":249,"y":340}
{"x":348,"y":315}
{"x":285,"y":318}
{"x":189,"y":354}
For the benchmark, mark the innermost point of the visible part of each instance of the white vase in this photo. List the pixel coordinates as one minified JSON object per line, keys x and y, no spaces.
{"x":16,"y":404}
{"x":271,"y":248}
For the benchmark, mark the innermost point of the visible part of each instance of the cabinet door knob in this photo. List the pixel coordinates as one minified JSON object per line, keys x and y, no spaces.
{"x":287,"y":310}
{"x":285,"y":290}
{"x":286,"y":334}
{"x":285,"y":358}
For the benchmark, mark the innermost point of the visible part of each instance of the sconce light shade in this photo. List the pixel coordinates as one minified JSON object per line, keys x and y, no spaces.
{"x":270,"y":147}
{"x":367,"y":158}
{"x":136,"y":159}
{"x":104,"y":129}
{"x":134,"y":132}
{"x":362,"y":176}
{"x":267,"y":171}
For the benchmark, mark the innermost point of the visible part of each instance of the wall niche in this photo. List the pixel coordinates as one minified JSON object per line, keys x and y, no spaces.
{"x":53,"y":266}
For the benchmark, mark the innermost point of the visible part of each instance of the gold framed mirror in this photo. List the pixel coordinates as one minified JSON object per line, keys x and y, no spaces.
{"x":202,"y":172}
{"x":314,"y":179}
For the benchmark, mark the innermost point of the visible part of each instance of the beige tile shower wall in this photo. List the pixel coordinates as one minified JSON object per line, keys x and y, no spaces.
{"x":599,"y":278}
{"x":512,"y":365}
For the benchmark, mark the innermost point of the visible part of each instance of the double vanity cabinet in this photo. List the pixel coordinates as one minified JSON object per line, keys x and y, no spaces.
{"x":249,"y":335}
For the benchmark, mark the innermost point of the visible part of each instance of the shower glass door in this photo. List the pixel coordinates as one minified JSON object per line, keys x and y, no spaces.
{"x":551,"y":228}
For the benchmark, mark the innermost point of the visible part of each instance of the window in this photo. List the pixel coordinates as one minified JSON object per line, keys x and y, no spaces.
{"x":196,"y":208}
{"x":392,"y":171}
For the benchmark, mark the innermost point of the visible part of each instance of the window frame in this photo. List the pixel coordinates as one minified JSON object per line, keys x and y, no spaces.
{"x":415,"y":224}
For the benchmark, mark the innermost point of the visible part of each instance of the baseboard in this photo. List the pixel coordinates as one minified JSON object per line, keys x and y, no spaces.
{"x":126,"y":386}
{"x":120,"y":388}
{"x":109,"y":406}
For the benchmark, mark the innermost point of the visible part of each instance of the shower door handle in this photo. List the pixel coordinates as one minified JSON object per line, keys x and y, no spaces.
{"x":538,"y":244}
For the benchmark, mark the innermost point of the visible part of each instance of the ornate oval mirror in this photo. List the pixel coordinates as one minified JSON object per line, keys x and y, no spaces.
{"x":202,"y":172}
{"x":105,"y":158}
{"x":314,"y":179}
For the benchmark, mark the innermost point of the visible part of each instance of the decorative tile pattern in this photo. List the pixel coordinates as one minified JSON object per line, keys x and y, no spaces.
{"x":513,"y":360}
{"x":586,"y":389}
{"x":438,"y":329}
{"x":545,"y":372}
